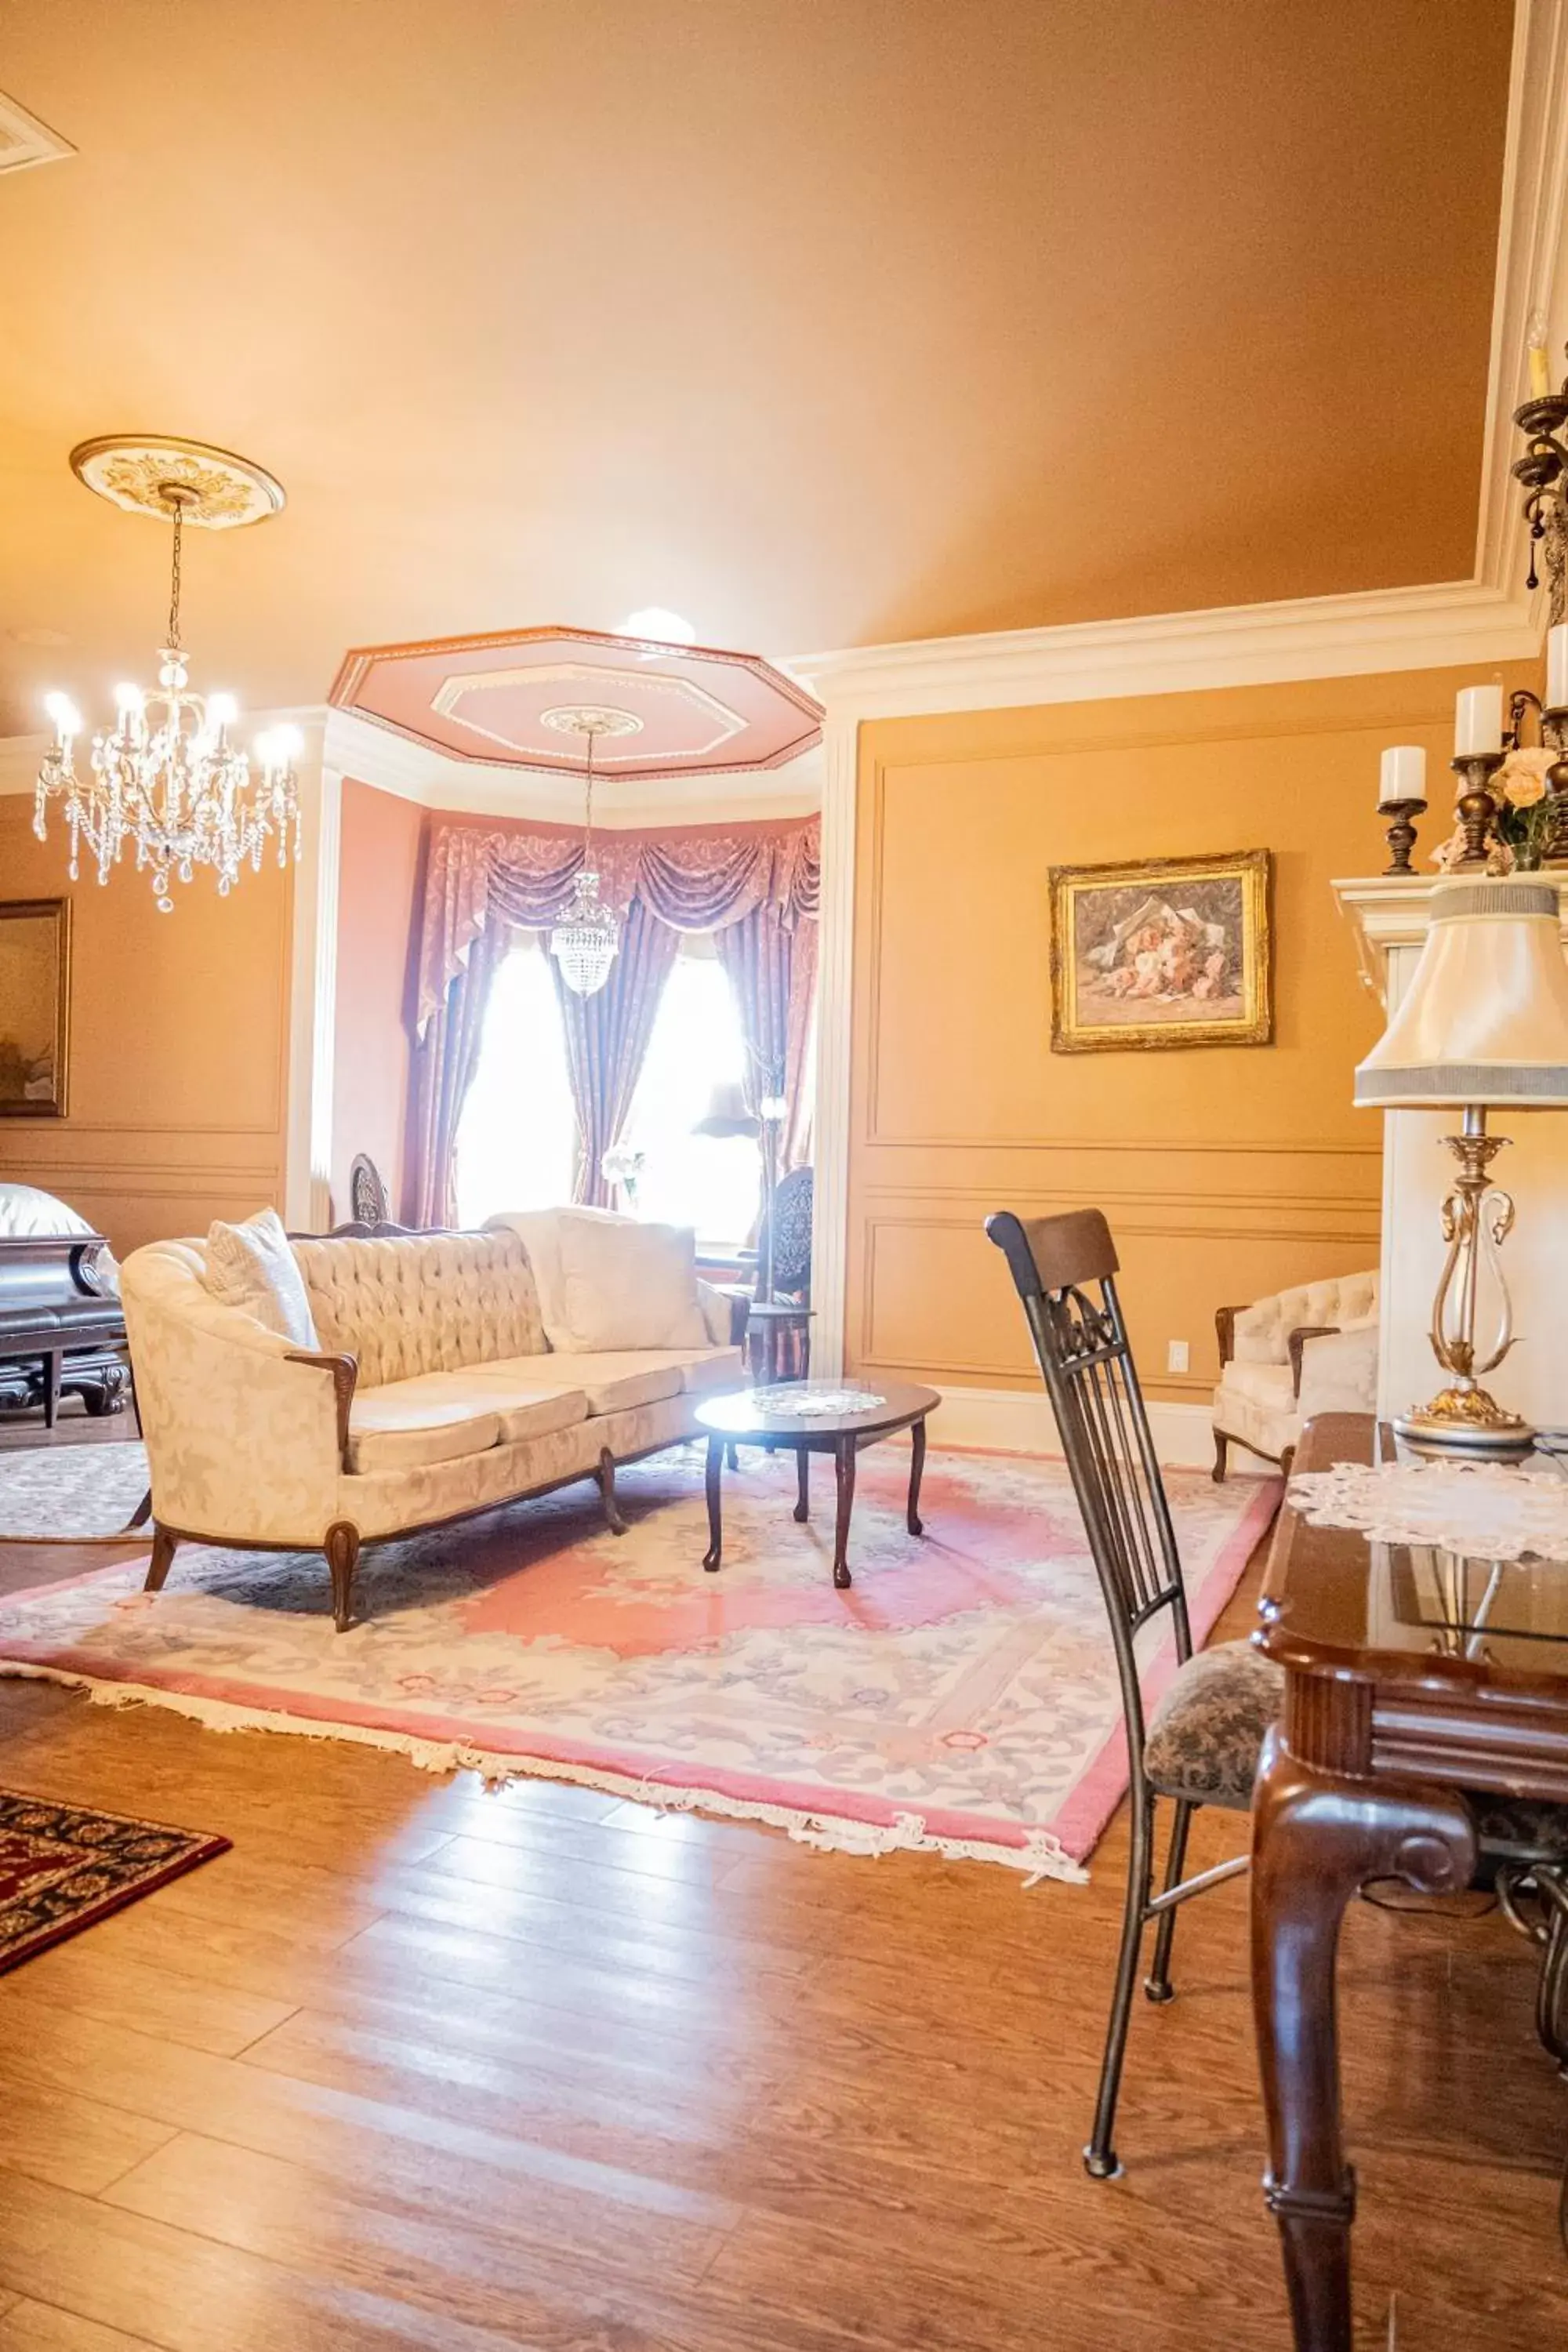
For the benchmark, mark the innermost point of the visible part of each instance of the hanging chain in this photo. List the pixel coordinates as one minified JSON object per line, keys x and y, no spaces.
{"x":592,"y":733}
{"x":178,"y":506}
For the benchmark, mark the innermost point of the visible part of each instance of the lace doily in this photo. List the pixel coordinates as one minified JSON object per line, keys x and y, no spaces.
{"x":808,"y":1397}
{"x":1483,"y":1509}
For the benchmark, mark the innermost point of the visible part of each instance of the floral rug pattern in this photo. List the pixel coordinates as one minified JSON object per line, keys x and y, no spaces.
{"x":961,"y":1695}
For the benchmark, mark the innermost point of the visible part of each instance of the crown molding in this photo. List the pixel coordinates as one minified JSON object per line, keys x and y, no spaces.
{"x":1452,"y":624}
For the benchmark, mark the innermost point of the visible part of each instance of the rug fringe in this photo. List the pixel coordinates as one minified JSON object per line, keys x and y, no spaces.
{"x":1041,"y":1855}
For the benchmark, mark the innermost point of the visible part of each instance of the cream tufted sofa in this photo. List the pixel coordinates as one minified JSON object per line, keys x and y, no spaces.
{"x":1308,"y":1350}
{"x":434,"y":1393}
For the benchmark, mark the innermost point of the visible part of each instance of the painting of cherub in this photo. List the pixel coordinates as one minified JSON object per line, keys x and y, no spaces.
{"x":1160,"y":955}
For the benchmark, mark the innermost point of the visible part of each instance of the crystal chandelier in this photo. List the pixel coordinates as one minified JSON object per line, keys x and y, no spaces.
{"x":585,"y":940}
{"x":166,"y":777}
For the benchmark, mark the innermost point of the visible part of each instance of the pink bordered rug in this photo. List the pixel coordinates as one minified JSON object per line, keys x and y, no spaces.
{"x":962,"y":1696}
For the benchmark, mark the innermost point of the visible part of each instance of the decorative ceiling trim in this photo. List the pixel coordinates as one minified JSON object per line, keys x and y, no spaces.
{"x":25,"y":141}
{"x":1454,"y":622}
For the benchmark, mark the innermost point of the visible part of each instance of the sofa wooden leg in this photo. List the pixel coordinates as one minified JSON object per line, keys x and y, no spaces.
{"x":1287,"y":1463}
{"x":342,"y":1548}
{"x":1221,"y":1444}
{"x":613,"y":1518}
{"x":141,"y":1515}
{"x":165,"y":1541}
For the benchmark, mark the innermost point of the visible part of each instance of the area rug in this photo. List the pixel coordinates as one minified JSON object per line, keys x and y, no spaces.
{"x":63,"y":1868}
{"x":961,"y":1694}
{"x":70,"y":1494}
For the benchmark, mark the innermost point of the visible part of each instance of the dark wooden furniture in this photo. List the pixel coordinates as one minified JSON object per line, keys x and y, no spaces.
{"x":1426,"y":1721}
{"x":62,"y":1331}
{"x":740,"y":1419}
{"x":777,"y":1338}
{"x":1201,"y":1745}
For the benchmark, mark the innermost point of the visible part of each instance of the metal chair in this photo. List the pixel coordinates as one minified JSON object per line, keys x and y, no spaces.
{"x":1202,"y":1742}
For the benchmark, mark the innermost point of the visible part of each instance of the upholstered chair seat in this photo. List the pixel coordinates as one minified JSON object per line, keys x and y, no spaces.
{"x":1205,"y":1732}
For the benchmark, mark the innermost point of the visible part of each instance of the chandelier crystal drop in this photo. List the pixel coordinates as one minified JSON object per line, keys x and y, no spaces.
{"x":585,"y":940}
{"x":166,"y":778}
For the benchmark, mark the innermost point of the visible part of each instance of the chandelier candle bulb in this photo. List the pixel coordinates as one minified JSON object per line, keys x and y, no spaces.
{"x":1477,"y":721}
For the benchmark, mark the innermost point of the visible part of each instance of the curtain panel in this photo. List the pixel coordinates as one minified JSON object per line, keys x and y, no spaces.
{"x":757,"y":887}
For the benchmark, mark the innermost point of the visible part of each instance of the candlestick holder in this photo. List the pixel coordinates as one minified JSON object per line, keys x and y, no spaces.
{"x":1476,"y":807}
{"x":1543,"y":471}
{"x":1401,"y":834}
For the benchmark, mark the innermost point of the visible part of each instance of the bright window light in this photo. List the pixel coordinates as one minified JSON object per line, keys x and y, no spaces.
{"x":713,"y":1182}
{"x":517,"y":1139}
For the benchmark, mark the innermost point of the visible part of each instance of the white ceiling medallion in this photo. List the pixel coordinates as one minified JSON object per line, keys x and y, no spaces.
{"x":591,"y":719}
{"x":25,"y":141}
{"x":217,"y":489}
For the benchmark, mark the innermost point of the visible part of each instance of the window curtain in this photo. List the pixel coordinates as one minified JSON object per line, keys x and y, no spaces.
{"x":771,"y":967}
{"x":607,"y":1038}
{"x":444,"y":1061}
{"x":480,"y":881}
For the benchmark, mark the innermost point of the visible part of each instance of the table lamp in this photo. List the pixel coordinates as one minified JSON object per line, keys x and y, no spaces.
{"x":1483,"y":1024}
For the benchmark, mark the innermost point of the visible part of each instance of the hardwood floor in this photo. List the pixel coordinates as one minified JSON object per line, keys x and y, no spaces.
{"x":418,"y":2065}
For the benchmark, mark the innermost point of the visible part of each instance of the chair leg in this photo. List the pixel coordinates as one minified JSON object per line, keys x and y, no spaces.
{"x":164,"y":1540}
{"x":1157,"y":1983}
{"x":342,"y":1548}
{"x":1100,"y":2160}
{"x":606,"y":1476}
{"x":1221,"y":1446}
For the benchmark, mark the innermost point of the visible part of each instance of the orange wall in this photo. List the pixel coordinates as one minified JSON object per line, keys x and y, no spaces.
{"x":1227,"y":1172}
{"x":178,"y":1045}
{"x":381,"y":848}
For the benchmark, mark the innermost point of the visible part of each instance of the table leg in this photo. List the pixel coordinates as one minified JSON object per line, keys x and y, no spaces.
{"x":1316,"y":1839}
{"x":802,"y":1483}
{"x":917,"y":1466}
{"x":715,"y":1551}
{"x":52,"y":1361}
{"x":844,"y":1467}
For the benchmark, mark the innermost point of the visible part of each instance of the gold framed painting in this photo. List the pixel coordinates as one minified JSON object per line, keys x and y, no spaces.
{"x":35,"y":1006}
{"x":1161,"y":954}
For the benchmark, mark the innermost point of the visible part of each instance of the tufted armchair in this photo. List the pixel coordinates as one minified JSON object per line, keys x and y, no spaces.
{"x":1303,"y":1351}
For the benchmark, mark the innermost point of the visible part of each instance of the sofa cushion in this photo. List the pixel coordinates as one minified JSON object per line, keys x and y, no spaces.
{"x":527,"y":1391}
{"x":391,"y":1432}
{"x":423,"y":1302}
{"x":625,"y":1285}
{"x":612,"y":1380}
{"x":253,"y":1267}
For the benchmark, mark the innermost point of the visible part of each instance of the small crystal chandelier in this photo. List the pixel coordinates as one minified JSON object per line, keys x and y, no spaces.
{"x":166,"y":775}
{"x":585,"y":940}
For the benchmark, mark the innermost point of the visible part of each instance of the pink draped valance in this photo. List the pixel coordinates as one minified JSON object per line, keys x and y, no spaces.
{"x":699,"y":878}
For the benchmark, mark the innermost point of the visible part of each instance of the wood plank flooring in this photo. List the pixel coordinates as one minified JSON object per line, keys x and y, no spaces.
{"x":418,"y":2065}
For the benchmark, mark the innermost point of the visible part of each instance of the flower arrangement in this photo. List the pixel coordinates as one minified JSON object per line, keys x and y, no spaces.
{"x":1522,"y":825}
{"x":622,"y":1164}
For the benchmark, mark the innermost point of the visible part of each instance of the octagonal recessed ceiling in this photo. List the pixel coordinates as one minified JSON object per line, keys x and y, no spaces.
{"x":496,"y":700}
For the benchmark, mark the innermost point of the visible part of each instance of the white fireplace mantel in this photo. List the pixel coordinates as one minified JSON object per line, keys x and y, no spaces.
{"x":1389,"y":914}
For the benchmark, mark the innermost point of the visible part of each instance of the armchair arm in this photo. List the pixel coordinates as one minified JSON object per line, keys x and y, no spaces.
{"x":345,"y":1370}
{"x":1224,"y":1331}
{"x":1294,"y":1342}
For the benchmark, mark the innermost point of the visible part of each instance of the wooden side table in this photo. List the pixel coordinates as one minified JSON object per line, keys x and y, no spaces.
{"x":768,"y":1326}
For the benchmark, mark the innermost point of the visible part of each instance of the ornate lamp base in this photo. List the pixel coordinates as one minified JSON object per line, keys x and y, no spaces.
{"x":1466,"y":1419}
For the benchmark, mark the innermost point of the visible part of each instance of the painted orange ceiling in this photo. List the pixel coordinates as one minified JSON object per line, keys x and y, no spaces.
{"x":819,"y":322}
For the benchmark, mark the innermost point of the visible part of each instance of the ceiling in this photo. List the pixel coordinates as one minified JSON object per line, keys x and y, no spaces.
{"x":822,"y":322}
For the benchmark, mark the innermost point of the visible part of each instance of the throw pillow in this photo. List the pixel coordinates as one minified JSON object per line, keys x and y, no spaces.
{"x":253,"y":1268}
{"x":625,"y":1285}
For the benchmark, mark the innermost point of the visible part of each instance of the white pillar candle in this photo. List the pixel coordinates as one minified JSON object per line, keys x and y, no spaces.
{"x":1403,"y":776}
{"x":1557,"y":668}
{"x":1477,"y":721}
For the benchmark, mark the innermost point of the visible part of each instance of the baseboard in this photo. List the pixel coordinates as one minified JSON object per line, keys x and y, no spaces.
{"x":1014,"y":1421}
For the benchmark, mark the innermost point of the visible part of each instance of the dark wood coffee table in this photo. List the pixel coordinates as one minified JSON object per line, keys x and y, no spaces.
{"x":761,"y":1417}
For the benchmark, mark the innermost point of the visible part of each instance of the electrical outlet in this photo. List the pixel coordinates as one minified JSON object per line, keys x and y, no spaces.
{"x":1176,"y":1355}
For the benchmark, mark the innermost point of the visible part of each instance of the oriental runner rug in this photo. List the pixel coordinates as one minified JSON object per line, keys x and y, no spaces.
{"x":961,"y":1696}
{"x":63,"y":1867}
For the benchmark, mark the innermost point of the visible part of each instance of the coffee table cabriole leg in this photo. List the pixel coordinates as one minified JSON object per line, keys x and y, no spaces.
{"x":917,"y":1465}
{"x":715,"y":1551}
{"x":802,"y":1483}
{"x":844,"y":1466}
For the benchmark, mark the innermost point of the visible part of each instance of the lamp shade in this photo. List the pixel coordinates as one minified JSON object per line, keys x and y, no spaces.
{"x":727,"y":1113}
{"x":1485,"y":1018}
